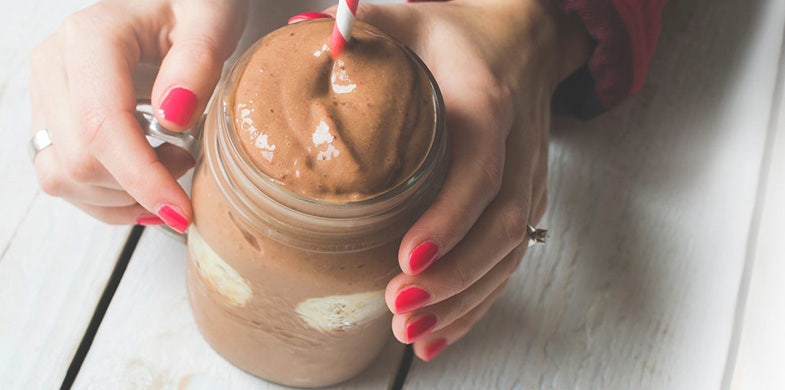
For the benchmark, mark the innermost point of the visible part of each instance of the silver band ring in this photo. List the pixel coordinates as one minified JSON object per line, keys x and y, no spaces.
{"x":39,"y":142}
{"x":536,"y":236}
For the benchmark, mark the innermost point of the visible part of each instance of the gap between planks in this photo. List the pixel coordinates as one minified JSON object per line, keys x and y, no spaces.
{"x":756,"y":220}
{"x":102,"y":306}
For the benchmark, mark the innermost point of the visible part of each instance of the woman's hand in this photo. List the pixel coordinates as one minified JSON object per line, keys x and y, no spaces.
{"x":82,"y":91}
{"x":497,"y":63}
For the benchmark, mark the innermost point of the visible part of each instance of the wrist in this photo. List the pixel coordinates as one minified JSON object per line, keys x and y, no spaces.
{"x":557,"y":39}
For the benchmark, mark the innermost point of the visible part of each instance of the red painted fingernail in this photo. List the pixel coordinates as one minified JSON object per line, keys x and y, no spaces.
{"x":423,"y":256}
{"x":420,"y":327}
{"x":434,"y":349}
{"x":172,"y":218}
{"x":149,"y":221}
{"x":178,"y":106}
{"x":410,"y":299}
{"x":308,"y":16}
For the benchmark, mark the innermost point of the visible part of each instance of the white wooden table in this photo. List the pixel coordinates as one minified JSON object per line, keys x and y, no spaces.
{"x":663,"y":271}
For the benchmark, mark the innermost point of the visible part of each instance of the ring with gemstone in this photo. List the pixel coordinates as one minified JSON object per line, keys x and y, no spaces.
{"x":536,"y":236}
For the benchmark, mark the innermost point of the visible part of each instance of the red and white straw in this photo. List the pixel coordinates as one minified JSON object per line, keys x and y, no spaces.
{"x":344,"y":21}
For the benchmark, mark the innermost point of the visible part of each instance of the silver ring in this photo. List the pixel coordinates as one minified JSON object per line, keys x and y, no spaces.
{"x":40,"y":141}
{"x":536,"y":236}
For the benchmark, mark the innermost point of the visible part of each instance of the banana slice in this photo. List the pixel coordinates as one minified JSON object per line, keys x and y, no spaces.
{"x":214,"y":270}
{"x":339,"y":313}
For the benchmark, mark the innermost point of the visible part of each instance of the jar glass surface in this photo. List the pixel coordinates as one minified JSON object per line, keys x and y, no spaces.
{"x":287,"y":287}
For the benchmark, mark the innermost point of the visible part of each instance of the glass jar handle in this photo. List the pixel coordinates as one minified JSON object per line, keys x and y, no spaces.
{"x":189,"y":140}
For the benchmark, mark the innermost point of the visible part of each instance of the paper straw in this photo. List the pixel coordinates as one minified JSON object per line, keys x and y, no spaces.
{"x":344,"y":21}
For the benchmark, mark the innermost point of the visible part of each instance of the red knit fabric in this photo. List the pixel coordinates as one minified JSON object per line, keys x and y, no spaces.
{"x":627,"y":32}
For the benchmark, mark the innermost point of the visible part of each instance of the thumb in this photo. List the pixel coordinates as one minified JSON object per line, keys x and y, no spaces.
{"x":204,"y":35}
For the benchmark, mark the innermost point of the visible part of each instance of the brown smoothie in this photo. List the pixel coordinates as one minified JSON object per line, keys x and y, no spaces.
{"x":340,"y":130}
{"x":334,"y":131}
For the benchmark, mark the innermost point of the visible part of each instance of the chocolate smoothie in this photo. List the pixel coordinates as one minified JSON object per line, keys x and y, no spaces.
{"x":313,"y":168}
{"x":337,"y":130}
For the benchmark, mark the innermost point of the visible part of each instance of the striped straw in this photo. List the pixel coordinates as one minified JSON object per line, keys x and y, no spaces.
{"x":344,"y":21}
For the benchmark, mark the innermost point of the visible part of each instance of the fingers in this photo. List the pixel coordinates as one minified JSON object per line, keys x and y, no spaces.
{"x":473,"y":181}
{"x":102,"y":130}
{"x":82,"y":92}
{"x":438,"y":306}
{"x":204,"y":36}
{"x":51,"y":110}
{"x":431,"y":345}
{"x":407,"y":323}
{"x":65,"y":169}
{"x":464,"y":278}
{"x":120,"y":215}
{"x":496,"y":234}
{"x":58,"y":185}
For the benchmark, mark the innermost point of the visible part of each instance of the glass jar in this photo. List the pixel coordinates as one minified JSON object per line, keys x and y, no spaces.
{"x":287,"y":287}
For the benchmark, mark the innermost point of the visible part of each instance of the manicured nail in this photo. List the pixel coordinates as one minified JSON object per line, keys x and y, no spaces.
{"x":178,"y":106}
{"x":423,"y":256}
{"x":308,"y":16}
{"x":149,"y":221}
{"x":420,"y":327}
{"x":172,"y":218}
{"x":434,"y":349}
{"x":410,"y":299}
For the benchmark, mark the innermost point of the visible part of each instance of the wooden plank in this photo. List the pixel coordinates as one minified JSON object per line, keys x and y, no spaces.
{"x":761,"y":348}
{"x":51,"y":278}
{"x":54,"y":260}
{"x":650,"y":210}
{"x":148,"y":338}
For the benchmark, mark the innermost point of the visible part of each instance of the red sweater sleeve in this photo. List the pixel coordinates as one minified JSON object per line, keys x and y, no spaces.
{"x":626,"y":32}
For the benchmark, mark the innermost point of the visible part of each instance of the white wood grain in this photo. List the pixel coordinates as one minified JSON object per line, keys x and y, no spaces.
{"x":51,"y":278}
{"x":761,"y":351}
{"x":54,"y":260}
{"x":148,"y":338}
{"x":650,"y":210}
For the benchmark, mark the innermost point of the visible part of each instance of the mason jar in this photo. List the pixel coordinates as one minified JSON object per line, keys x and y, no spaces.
{"x":288,"y":287}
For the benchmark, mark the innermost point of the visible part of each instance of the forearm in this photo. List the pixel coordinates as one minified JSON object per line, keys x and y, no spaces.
{"x":574,"y":42}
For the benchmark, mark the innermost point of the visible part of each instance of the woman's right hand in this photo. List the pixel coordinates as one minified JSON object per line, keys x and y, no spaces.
{"x":82,"y":92}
